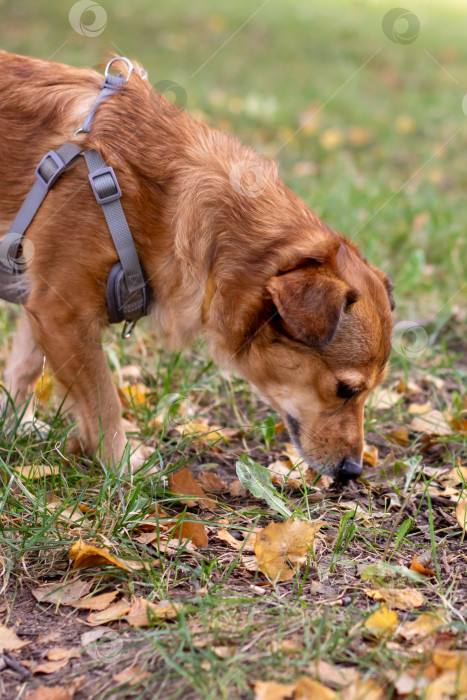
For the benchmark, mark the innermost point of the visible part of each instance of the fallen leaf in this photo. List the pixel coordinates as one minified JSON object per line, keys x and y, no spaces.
{"x":62,"y":592}
{"x":142,"y":611}
{"x":68,"y":515}
{"x":458,"y":475}
{"x":461,"y":513}
{"x":60,"y":653}
{"x":225,"y":535}
{"x":132,"y":675}
{"x":210,"y":482}
{"x":112,"y":612}
{"x":84,"y":555}
{"x":257,"y":479}
{"x":182,"y":483}
{"x":416,"y":566}
{"x":37,"y":471}
{"x":54,"y":692}
{"x":381,"y":620}
{"x":9,"y":640}
{"x":370,"y":454}
{"x":423,"y":626}
{"x":399,"y":435}
{"x":446,"y":660}
{"x":365,"y":690}
{"x":281,"y":548}
{"x":432,"y":423}
{"x":137,"y":394}
{"x":402,"y":598}
{"x":96,"y":602}
{"x":50,"y":666}
{"x":237,"y":490}
{"x":202,"y":432}
{"x":308,"y":689}
{"x":270,"y":690}
{"x":336,"y":676}
{"x":419,"y":409}
{"x":383,"y":398}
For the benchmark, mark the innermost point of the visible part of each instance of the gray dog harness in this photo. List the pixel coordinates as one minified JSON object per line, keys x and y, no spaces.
{"x":128,"y":292}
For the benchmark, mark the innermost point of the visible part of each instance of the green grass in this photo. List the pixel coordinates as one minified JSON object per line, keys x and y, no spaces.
{"x":383,"y":164}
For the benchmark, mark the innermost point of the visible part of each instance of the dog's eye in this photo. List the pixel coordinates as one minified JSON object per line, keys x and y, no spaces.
{"x":344,"y":391}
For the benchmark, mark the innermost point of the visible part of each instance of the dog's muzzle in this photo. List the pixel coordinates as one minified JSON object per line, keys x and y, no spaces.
{"x":349,"y":470}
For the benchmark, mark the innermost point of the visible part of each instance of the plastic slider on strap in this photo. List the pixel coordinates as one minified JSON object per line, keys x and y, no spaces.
{"x":105,"y":185}
{"x":49,"y":169}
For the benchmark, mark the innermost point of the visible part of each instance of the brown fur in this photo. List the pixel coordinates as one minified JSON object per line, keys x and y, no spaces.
{"x":290,"y":304}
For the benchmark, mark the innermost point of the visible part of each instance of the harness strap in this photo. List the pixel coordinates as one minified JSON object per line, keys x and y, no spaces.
{"x":107,"y":193}
{"x":47,"y":173}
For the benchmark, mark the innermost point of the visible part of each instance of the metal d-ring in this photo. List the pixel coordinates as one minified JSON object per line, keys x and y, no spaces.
{"x":128,"y":329}
{"x":129,"y":65}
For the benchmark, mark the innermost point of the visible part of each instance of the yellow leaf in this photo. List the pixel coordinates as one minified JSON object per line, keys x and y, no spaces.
{"x":445,"y":660}
{"x":84,"y":555}
{"x":331,"y":138}
{"x":461,"y":513}
{"x":96,"y":602}
{"x":370,"y":454}
{"x":309,"y":689}
{"x":432,"y":423}
{"x":419,"y":409}
{"x":281,"y":548}
{"x":37,"y":471}
{"x":111,"y":612}
{"x":204,"y":433}
{"x":381,"y":620}
{"x":365,"y":690}
{"x":44,"y":386}
{"x":137,"y":394}
{"x":9,"y":640}
{"x":399,"y":435}
{"x":143,"y":610}
{"x":270,"y":690}
{"x":423,"y":626}
{"x":402,"y":598}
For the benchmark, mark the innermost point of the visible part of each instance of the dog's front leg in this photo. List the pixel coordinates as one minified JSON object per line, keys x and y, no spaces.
{"x":74,"y":352}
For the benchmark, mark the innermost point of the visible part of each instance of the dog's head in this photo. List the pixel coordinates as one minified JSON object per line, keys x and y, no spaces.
{"x":324,"y":344}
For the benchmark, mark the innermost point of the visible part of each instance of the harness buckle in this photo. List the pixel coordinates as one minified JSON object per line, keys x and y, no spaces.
{"x":45,"y":163}
{"x":105,"y":190}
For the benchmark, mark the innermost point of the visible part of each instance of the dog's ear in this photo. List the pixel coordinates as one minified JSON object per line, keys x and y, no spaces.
{"x":388,"y":285}
{"x":310,"y":298}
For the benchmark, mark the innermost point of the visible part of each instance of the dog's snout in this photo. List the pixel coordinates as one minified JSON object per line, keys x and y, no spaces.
{"x":349,"y":470}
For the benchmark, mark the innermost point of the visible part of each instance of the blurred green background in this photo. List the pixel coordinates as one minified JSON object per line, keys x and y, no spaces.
{"x":370,"y":132}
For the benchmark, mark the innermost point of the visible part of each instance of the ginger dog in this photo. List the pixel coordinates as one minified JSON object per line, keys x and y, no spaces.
{"x":280,"y":298}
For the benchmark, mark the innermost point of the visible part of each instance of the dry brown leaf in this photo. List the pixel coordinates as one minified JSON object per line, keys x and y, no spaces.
{"x":191,"y":530}
{"x":270,"y":690}
{"x":423,"y":626}
{"x":84,"y":555}
{"x":381,"y":620}
{"x":202,"y":432}
{"x":237,"y":490}
{"x":250,"y":562}
{"x":112,"y":612}
{"x":309,"y":689}
{"x":224,"y":652}
{"x":401,"y":598}
{"x":54,"y":692}
{"x":335,"y":676}
{"x":50,"y":666}
{"x":96,"y":602}
{"x":249,"y":546}
{"x":365,"y":690}
{"x":37,"y":471}
{"x":142,"y":611}
{"x":457,"y":475}
{"x":370,"y":454}
{"x":419,"y":409}
{"x":446,"y":660}
{"x":182,"y":483}
{"x":461,"y":513}
{"x":62,"y":592}
{"x":60,"y":653}
{"x":281,"y":548}
{"x":432,"y":423}
{"x":67,"y":515}
{"x":211,"y":483}
{"x":399,"y":435}
{"x":382,"y":398}
{"x":282,"y":472}
{"x":419,"y":568}
{"x":132,"y":675}
{"x":9,"y":640}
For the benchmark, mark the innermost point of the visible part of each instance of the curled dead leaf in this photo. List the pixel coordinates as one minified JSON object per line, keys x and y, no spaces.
{"x":182,"y":483}
{"x":417,"y":566}
{"x":85,"y":555}
{"x":282,"y":548}
{"x":461,"y":513}
{"x":401,"y":598}
{"x":142,"y":611}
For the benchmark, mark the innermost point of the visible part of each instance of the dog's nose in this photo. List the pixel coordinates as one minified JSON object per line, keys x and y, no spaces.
{"x":350,"y":470}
